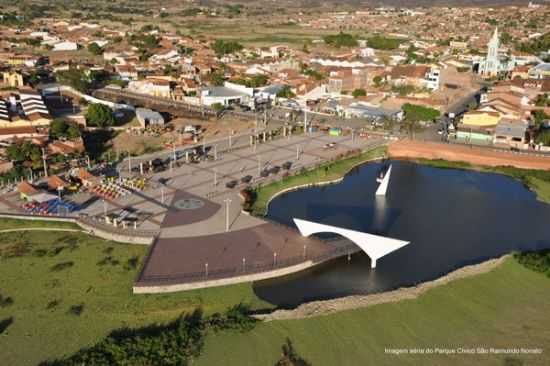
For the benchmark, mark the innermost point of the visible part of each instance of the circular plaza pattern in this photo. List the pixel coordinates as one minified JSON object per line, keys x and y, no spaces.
{"x":188,"y":204}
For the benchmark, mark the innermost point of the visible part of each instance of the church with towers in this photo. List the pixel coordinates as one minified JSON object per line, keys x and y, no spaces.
{"x":494,"y":64}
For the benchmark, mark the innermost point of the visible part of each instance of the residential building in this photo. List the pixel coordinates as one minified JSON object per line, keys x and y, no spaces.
{"x":148,"y":117}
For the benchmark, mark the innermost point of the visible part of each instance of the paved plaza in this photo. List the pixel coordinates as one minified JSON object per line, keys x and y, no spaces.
{"x":201,"y":227}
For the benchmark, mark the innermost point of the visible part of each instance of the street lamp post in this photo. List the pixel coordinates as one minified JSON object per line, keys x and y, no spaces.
{"x":244,"y":265}
{"x":274,"y":259}
{"x":215,"y":177}
{"x":297,"y":152}
{"x":227,"y":203}
{"x":206,"y":270}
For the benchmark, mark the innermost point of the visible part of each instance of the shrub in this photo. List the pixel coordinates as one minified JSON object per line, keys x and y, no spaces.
{"x":5,"y":323}
{"x":61,"y":266}
{"x":5,"y":301}
{"x":131,"y":263}
{"x":290,"y":356}
{"x":108,"y":260}
{"x":536,"y":261}
{"x":76,"y":309}
{"x":175,"y":343}
{"x":52,"y":304}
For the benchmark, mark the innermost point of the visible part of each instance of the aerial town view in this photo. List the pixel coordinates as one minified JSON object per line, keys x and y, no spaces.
{"x":274,"y":183}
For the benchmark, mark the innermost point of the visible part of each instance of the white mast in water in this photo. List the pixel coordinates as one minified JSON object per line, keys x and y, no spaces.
{"x":383,"y":187}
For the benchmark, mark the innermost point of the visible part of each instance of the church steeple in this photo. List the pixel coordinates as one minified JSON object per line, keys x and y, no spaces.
{"x":495,"y":36}
{"x":493,"y":46}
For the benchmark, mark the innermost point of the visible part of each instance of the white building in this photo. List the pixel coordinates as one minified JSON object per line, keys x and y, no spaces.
{"x":432,"y":79}
{"x":65,"y":46}
{"x":493,"y":63}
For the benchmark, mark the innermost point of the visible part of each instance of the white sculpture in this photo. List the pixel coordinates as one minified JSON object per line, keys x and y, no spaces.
{"x":374,"y":245}
{"x":383,"y":187}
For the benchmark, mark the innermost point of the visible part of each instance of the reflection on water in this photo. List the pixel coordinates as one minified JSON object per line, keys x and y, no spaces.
{"x":451,"y":217}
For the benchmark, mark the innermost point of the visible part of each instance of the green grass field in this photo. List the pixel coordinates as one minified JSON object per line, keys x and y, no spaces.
{"x":335,"y":170}
{"x":505,"y":308}
{"x":46,"y":273}
{"x":7,"y":224}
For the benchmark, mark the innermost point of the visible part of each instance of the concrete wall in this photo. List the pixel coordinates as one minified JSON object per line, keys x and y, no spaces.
{"x":89,"y":229}
{"x":222,"y":281}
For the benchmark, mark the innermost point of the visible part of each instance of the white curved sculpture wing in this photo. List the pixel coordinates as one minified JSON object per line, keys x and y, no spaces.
{"x":374,"y":245}
{"x":383,"y":187}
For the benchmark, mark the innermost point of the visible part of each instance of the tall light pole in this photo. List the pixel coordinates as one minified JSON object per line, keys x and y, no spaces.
{"x":227,"y":203}
{"x":297,"y":152}
{"x":44,"y":162}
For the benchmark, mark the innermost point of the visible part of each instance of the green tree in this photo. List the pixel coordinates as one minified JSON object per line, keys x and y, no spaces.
{"x":539,"y":117}
{"x":222,"y":47}
{"x":218,"y":107}
{"x":377,"y":80}
{"x":285,"y":92}
{"x":217,"y":79}
{"x":94,"y":49}
{"x":100,"y":115}
{"x":419,"y":113}
{"x":543,"y":138}
{"x":359,"y":93}
{"x":341,"y":40}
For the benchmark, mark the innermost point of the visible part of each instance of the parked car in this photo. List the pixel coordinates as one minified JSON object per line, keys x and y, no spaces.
{"x":287,"y":165}
{"x":264,"y":173}
{"x":274,"y":170}
{"x":231,"y":184}
{"x":246,"y":179}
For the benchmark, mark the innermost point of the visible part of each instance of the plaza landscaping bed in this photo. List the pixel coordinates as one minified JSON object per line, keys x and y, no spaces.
{"x":324,"y":173}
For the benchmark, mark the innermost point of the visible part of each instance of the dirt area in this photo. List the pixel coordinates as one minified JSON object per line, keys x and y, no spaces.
{"x":475,"y":155}
{"x":138,"y":143}
{"x":317,"y":308}
{"x":466,"y":81}
{"x":216,"y":128}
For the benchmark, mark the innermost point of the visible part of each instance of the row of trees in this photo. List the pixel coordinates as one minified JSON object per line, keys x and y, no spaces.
{"x":341,"y":40}
{"x":222,"y":47}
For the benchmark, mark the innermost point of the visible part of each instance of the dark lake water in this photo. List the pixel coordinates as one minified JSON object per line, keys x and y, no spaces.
{"x":451,"y":217}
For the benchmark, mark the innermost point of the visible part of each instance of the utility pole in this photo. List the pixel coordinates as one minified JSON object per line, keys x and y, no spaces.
{"x":227,"y":203}
{"x":305,"y":121}
{"x":44,"y":162}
